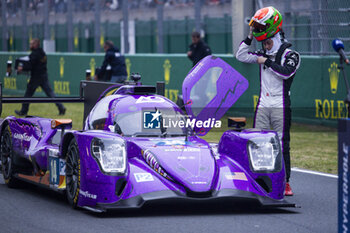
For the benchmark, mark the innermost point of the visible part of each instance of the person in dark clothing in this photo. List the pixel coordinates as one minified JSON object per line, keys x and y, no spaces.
{"x":198,"y":49}
{"x":38,"y":77}
{"x":114,"y":59}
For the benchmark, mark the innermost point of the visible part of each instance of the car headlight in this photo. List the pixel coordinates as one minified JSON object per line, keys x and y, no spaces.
{"x":265,"y":154}
{"x":110,"y":154}
{"x":214,"y":147}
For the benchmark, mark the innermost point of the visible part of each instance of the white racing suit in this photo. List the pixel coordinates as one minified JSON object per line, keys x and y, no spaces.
{"x":276,"y":77}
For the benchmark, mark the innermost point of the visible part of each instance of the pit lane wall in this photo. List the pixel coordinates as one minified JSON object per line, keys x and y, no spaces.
{"x":317,"y":92}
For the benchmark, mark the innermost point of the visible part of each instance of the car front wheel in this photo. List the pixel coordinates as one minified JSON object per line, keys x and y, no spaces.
{"x":73,"y":173}
{"x":7,"y":165}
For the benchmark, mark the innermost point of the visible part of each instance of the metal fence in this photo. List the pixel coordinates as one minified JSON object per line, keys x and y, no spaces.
{"x":311,"y":25}
{"x":151,"y":26}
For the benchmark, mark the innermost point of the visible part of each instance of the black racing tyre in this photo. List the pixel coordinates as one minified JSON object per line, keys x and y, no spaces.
{"x":73,"y":173}
{"x":7,"y":165}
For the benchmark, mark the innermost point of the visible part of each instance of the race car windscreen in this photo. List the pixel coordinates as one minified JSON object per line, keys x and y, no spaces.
{"x":205,"y":90}
{"x":98,"y":115}
{"x":156,"y":122}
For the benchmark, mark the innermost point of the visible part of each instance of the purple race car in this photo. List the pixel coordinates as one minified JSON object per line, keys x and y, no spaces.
{"x":137,"y":146}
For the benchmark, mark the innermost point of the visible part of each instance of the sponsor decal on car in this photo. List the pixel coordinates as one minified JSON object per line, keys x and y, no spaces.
{"x":54,"y":170}
{"x":143,"y":177}
{"x":152,"y":161}
{"x":87,"y":194}
{"x":199,"y":182}
{"x":22,"y":137}
{"x":176,"y":144}
{"x":182,"y":150}
{"x":186,"y":157}
{"x":236,"y":176}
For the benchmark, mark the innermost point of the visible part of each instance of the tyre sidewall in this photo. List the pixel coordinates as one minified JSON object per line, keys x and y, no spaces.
{"x":73,"y":200}
{"x":10,"y":181}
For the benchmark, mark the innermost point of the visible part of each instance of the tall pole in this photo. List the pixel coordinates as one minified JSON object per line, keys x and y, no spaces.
{"x":160,"y":13}
{"x":4,"y":25}
{"x":197,"y":14}
{"x":46,"y":20}
{"x":324,"y":29}
{"x":261,"y":5}
{"x":315,"y":20}
{"x":240,"y":11}
{"x":288,"y":19}
{"x":24,"y":26}
{"x":70,"y":25}
{"x":97,"y":26}
{"x":126,"y":25}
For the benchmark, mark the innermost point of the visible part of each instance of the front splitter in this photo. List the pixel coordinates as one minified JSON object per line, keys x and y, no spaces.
{"x":168,"y":195}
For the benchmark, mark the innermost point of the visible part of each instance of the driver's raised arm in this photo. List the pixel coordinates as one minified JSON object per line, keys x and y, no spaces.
{"x":243,"y":54}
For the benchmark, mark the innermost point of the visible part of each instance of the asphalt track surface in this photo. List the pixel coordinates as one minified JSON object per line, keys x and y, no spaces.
{"x":32,"y":209}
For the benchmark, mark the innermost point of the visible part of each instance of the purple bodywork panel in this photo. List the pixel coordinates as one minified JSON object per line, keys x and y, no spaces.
{"x":210,"y":89}
{"x":32,"y":138}
{"x":239,"y":140}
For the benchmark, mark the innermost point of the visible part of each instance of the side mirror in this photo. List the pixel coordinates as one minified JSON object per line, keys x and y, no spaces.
{"x":238,"y":123}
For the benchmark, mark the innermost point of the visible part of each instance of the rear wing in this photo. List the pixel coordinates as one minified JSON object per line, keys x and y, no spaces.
{"x":90,"y":93}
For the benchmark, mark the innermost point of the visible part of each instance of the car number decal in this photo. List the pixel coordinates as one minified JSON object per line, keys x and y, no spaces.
{"x":54,"y":170}
{"x":143,"y":177}
{"x":150,"y":99}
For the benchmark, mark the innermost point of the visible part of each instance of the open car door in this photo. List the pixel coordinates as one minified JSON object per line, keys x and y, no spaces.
{"x":209,"y":91}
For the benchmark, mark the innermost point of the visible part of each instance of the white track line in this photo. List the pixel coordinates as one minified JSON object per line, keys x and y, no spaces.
{"x":295,"y":169}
